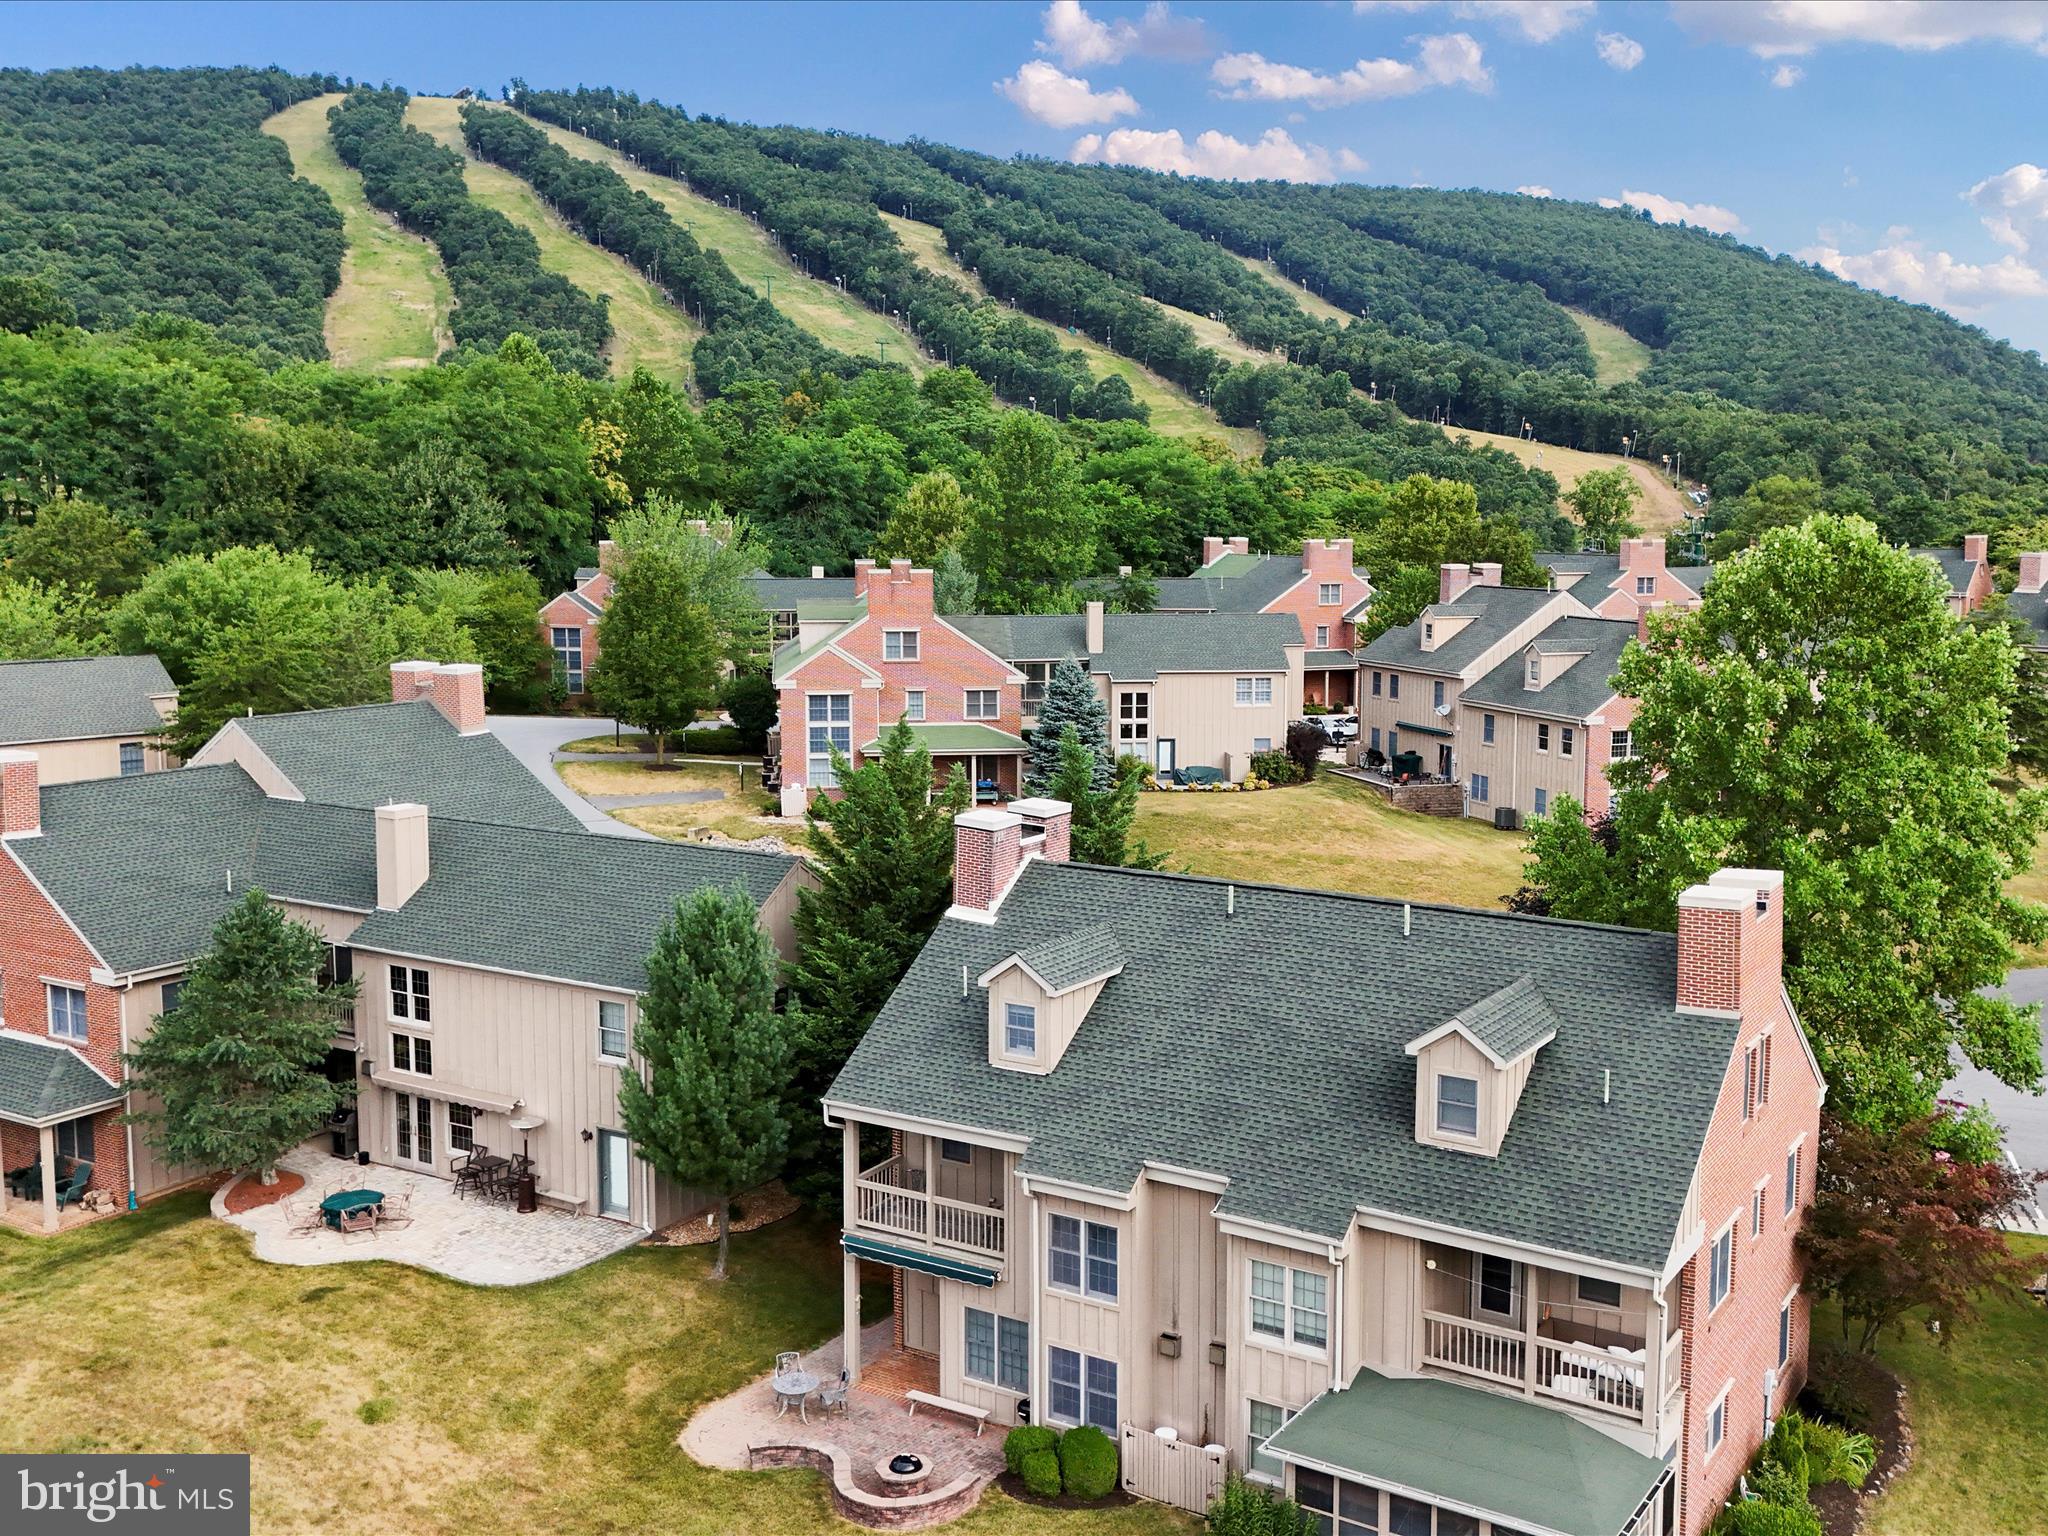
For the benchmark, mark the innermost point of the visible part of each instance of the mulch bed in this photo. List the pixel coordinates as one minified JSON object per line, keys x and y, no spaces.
{"x":1013,"y":1485}
{"x":757,"y":1208}
{"x":1841,"y":1508}
{"x":251,"y":1192}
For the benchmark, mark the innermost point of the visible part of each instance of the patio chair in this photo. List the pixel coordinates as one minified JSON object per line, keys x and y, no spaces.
{"x":467,"y":1175}
{"x":361,"y":1222}
{"x":302,"y":1219}
{"x":23,"y":1183}
{"x":786,"y":1362}
{"x":73,"y":1184}
{"x":397,"y":1210}
{"x":833,"y":1398}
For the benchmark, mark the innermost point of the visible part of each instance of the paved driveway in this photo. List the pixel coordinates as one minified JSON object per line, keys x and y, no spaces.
{"x":2024,"y":1115}
{"x":533,"y":739}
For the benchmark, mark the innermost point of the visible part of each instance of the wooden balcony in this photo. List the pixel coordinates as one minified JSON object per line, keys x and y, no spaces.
{"x":890,"y":1197}
{"x":1618,"y":1377}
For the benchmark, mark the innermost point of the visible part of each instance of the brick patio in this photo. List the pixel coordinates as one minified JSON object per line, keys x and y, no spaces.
{"x":743,"y":1431}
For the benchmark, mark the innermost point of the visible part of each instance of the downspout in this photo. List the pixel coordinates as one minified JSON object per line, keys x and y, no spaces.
{"x":1337,"y":1322}
{"x":1034,"y":1373}
{"x":127,"y":1129}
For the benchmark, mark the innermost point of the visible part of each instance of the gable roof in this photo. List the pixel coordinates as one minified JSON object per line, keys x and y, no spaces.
{"x":1506,"y":1024}
{"x":1231,"y":584}
{"x":1955,"y":570}
{"x":42,"y":1082}
{"x":1578,"y":691}
{"x":800,"y":594}
{"x":1301,"y":1095}
{"x":1140,"y":646}
{"x":1066,"y":960}
{"x":80,"y":698}
{"x":1496,"y":611}
{"x":1604,"y":566}
{"x":374,"y":754}
{"x":2031,"y":609}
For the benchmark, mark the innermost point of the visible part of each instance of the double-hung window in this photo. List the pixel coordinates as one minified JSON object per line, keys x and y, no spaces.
{"x":1265,"y":1420}
{"x":131,"y":759}
{"x":1717,"y":1422}
{"x":830,"y":719}
{"x":1436,"y":694}
{"x":998,"y":1350}
{"x":461,"y":1127}
{"x":1322,"y":637}
{"x":1535,"y":672}
{"x":1565,"y":736}
{"x":412,"y":1053}
{"x":1255,"y":690}
{"x":67,"y":1011}
{"x":1377,"y":678}
{"x":1457,"y":1105}
{"x":913,"y":705}
{"x":1645,"y":586}
{"x":1393,"y":685}
{"x":1791,"y":1179}
{"x":1083,"y":1389}
{"x":410,"y":995}
{"x":899,"y":645}
{"x":1486,"y":729}
{"x":1083,"y":1258}
{"x":1542,"y":735}
{"x":1020,"y":1029}
{"x":1329,"y":593}
{"x":1134,"y":719}
{"x":611,"y":1030}
{"x":982,"y":703}
{"x":1482,"y":786}
{"x":1291,"y":1305}
{"x":567,"y":641}
{"x":1721,"y":1267}
{"x":1621,"y":747}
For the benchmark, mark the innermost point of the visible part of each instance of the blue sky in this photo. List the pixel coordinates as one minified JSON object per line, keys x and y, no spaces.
{"x":1901,"y":144}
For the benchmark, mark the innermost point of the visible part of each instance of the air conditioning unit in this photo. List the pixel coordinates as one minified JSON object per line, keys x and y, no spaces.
{"x":1507,"y":819}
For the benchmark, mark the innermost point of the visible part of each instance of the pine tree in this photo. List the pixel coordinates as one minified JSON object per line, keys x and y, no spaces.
{"x":238,"y":1066}
{"x":711,"y":1110}
{"x":1070,"y":700}
{"x":1101,"y":828}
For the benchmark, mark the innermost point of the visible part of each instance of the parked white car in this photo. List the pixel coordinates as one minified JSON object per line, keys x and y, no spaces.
{"x":1339,"y":728}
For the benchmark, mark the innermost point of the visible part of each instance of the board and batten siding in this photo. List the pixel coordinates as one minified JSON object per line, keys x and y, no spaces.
{"x":1261,"y":1368}
{"x":514,"y":1037}
{"x":1181,"y":1290}
{"x":1199,"y":713}
{"x":72,"y":762}
{"x":1383,"y":1305}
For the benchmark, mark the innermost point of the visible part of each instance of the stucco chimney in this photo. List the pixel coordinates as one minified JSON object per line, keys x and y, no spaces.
{"x":1977,"y":547}
{"x":1486,"y":573}
{"x":456,"y":688}
{"x":2033,"y":571}
{"x":1212,"y":548}
{"x":1452,"y":580}
{"x":1048,"y":827}
{"x":817,"y":573}
{"x":410,"y":679}
{"x":988,"y":847}
{"x":1092,"y":623}
{"x":1731,"y":942}
{"x":21,"y":794}
{"x":401,"y":854}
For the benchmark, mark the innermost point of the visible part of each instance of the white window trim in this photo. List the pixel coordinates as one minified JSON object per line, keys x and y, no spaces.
{"x":1727,"y":1230}
{"x":1543,"y":737}
{"x":851,"y":760}
{"x":1082,"y":1290}
{"x":1785,"y":1306}
{"x":1759,"y":1206}
{"x":391,"y":1015}
{"x":50,"y":1008}
{"x":1251,"y":1445}
{"x":1720,"y":1402}
{"x":1797,"y":1147}
{"x":916,"y":647}
{"x":1084,"y":1357}
{"x":1322,"y":637}
{"x":1008,"y":1051}
{"x":908,"y":695}
{"x":1436,"y":1103}
{"x":413,"y":1039}
{"x":967,"y":708}
{"x":604,"y":1057}
{"x":1329,"y":586}
{"x":1287,"y":1341}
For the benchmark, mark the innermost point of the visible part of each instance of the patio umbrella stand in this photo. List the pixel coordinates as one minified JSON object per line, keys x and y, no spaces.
{"x":526,"y":1122}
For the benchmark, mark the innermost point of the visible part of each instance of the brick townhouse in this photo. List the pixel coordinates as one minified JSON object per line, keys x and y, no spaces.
{"x":1499,"y":1243}
{"x":1320,"y":588}
{"x":1627,"y":582}
{"x":497,"y":944}
{"x":1967,"y":570}
{"x":88,"y":717}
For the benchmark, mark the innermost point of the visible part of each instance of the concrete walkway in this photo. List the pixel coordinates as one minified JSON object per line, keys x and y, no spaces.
{"x":474,"y":1240}
{"x":534,"y":740}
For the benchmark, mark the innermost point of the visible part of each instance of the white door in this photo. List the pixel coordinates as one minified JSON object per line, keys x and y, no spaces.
{"x":412,"y":1131}
{"x":1165,"y":761}
{"x":614,"y":1172}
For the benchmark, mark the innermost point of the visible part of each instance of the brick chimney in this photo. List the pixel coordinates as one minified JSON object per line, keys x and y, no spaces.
{"x":1977,"y":547}
{"x":988,"y":848}
{"x":1731,"y":942}
{"x":1326,"y":559}
{"x":21,"y":794}
{"x":1452,"y":580}
{"x":1241,"y":545}
{"x":456,"y":688}
{"x":608,"y":557}
{"x":901,"y":592}
{"x":1642,"y":557}
{"x":1212,"y":548}
{"x":401,"y":854}
{"x":1092,"y":622}
{"x":1048,"y":823}
{"x":2033,"y":571}
{"x":1486,"y":573}
{"x":863,"y":572}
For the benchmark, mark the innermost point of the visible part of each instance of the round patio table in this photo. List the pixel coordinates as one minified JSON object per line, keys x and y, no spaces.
{"x":794,"y":1387}
{"x":335,"y":1206}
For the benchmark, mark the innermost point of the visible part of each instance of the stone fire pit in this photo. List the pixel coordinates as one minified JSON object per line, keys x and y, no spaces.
{"x":903,"y":1475}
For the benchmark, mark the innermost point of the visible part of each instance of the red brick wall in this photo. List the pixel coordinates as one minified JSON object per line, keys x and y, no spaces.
{"x":825,"y":673}
{"x":1618,"y":714}
{"x":35,"y":942}
{"x":1324,"y":560}
{"x":985,"y":861}
{"x":566,"y":614}
{"x":1738,"y":1341}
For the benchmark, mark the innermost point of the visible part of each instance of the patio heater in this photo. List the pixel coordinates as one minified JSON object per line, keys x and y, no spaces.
{"x":526,"y":1122}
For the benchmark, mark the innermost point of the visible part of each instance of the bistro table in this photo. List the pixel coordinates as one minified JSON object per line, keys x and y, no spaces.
{"x":797,"y":1385}
{"x":346,"y":1201}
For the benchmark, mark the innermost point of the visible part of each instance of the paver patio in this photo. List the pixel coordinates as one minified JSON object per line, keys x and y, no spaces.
{"x":475,"y":1240}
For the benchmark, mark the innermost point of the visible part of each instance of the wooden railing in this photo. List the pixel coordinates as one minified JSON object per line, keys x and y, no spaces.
{"x":1479,"y":1349}
{"x":1580,"y":1374}
{"x":887,"y":1197}
{"x":1674,"y":1365}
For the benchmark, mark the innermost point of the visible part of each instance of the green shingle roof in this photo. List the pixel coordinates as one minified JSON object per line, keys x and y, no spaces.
{"x":1602,"y":566}
{"x":374,"y":754}
{"x":802,"y":594}
{"x":42,"y":1082}
{"x":1231,"y":584}
{"x":1510,"y":1020}
{"x":1499,"y":611}
{"x":80,"y":698}
{"x":1579,"y":690}
{"x":1140,"y":646}
{"x":1301,"y":1094}
{"x":965,"y":736}
{"x":1068,"y":959}
{"x":1520,"y":1463}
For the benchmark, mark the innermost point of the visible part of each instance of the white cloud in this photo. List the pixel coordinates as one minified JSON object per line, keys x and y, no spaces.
{"x":1537,"y":20}
{"x":1669,"y":210}
{"x":1276,"y":155}
{"x":1061,"y":101}
{"x":2010,"y":201}
{"x":1451,"y":59}
{"x":1535,"y":191}
{"x":1773,"y":28}
{"x":1617,"y":51}
{"x":1077,"y":39}
{"x":1785,"y":76}
{"x":1910,"y":271}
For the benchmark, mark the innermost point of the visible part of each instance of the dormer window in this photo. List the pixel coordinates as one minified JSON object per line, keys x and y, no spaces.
{"x":1535,"y":670}
{"x":1428,"y":635}
{"x":1039,"y":996}
{"x":1457,"y":1105}
{"x":1020,"y":1029}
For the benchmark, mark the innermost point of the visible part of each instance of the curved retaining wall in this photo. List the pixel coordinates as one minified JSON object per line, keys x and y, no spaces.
{"x":870,"y":1509}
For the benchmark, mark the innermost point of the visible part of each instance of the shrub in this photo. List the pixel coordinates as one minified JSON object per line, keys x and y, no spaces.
{"x":1785,"y":1454}
{"x":1305,"y":743}
{"x":1275,"y":768}
{"x":1837,"y":1455}
{"x":1846,"y":1385}
{"x":1088,"y":1463}
{"x":1775,"y":1484}
{"x":1023,"y":1440}
{"x":1245,"y":1509}
{"x":1754,"y":1517}
{"x":1041,"y":1474}
{"x":716,"y":740}
{"x":751,"y":700}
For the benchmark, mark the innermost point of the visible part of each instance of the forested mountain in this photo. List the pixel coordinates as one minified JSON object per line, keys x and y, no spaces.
{"x":145,"y":190}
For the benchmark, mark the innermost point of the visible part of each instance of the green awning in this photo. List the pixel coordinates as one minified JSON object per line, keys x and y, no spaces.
{"x":43,"y":1082}
{"x":898,"y":1257}
{"x":1501,"y":1458}
{"x":1421,"y":730}
{"x":961,"y":739}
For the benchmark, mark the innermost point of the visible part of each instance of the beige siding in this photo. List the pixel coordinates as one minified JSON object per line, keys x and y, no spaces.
{"x":231,"y":745}
{"x":1058,"y":1019}
{"x":1182,"y":1291}
{"x":1515,"y":769}
{"x":1199,"y":713}
{"x":151,"y":1174}
{"x":778,"y":912}
{"x":1384,"y":1303}
{"x":70,"y":762}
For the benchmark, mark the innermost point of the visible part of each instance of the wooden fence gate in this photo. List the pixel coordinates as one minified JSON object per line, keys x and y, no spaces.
{"x":1176,"y":1472}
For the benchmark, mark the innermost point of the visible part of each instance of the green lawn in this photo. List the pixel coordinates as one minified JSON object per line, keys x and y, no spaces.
{"x":647,"y":330}
{"x":1333,"y":835}
{"x":1174,"y":413}
{"x":1617,"y":356}
{"x":1312,"y":304}
{"x":551,"y":1408}
{"x":742,"y":815}
{"x":1979,"y":1410}
{"x":391,"y":307}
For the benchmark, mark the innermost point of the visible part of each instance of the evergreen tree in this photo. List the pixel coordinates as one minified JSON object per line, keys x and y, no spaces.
{"x":1101,"y":828}
{"x":238,"y":1067}
{"x":883,"y":855}
{"x":954,"y":587}
{"x":1070,"y":703}
{"x":658,"y":662}
{"x":711,"y":1110}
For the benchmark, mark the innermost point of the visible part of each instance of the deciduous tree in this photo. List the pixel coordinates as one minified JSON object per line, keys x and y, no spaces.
{"x":1604,"y":502}
{"x":932,"y":518}
{"x":1032,"y":534}
{"x":80,"y":544}
{"x":658,"y":662}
